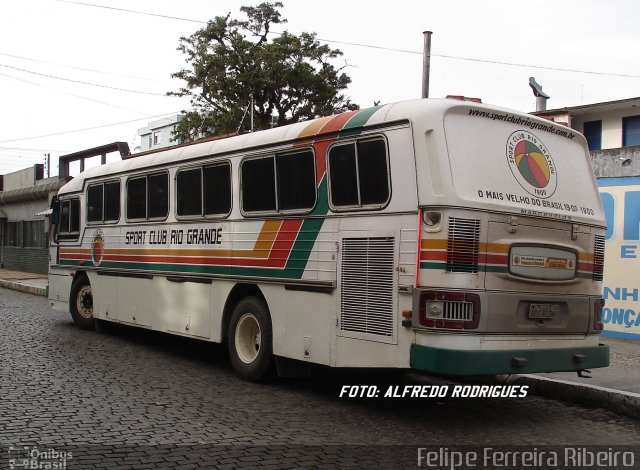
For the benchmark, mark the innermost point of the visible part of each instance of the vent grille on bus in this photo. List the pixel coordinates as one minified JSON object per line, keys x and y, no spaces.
{"x":463,"y":245}
{"x":457,"y":311}
{"x":598,"y":258}
{"x":367,"y":285}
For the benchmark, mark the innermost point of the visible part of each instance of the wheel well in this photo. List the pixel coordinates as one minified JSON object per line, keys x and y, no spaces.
{"x":239,"y":292}
{"x":77,"y":276}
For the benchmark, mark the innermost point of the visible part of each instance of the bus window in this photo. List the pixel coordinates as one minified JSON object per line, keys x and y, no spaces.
{"x":95,"y":201}
{"x":296,"y":181}
{"x":214,"y":182}
{"x":158,"y":195}
{"x":294,"y":175}
{"x":137,"y":198}
{"x":358,"y":174}
{"x":258,"y":185}
{"x":103,"y":202}
{"x":217,"y":189}
{"x":189,"y":192}
{"x":344,"y":175}
{"x":112,"y":201}
{"x":373,"y":175}
{"x":69,"y":227}
{"x":148,"y":197}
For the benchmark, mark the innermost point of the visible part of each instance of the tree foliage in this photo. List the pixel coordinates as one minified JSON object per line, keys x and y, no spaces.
{"x":234,"y":62}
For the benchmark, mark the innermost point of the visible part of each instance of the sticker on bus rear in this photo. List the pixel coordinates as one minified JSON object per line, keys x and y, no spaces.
{"x":531,"y":164}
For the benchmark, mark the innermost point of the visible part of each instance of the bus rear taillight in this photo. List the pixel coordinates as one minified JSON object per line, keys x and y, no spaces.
{"x":598,"y":305}
{"x":449,"y":310}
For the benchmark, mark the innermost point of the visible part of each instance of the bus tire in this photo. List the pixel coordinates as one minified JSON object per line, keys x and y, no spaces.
{"x":250,"y":339}
{"x":81,"y":303}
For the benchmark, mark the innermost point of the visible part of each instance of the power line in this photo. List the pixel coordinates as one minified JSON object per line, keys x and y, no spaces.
{"x":72,"y":94}
{"x":372,"y":46}
{"x":79,"y":68}
{"x":83,"y":82}
{"x":23,"y":149}
{"x":87,"y":128}
{"x":146,"y":13}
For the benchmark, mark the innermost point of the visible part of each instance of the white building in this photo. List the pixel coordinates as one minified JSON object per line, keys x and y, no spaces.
{"x":159,"y":133}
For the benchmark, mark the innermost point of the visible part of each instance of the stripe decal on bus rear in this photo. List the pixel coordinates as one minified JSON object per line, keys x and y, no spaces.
{"x":492,"y":257}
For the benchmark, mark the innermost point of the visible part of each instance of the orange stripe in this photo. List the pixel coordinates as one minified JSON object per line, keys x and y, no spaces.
{"x":441,"y":244}
{"x":261,"y":249}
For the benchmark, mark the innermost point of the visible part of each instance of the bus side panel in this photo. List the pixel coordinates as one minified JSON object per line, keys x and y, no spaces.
{"x":303,"y":323}
{"x":182,"y":307}
{"x":105,"y":294}
{"x":59,"y":287}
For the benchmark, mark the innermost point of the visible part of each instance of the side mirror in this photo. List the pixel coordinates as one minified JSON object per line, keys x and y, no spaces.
{"x":55,"y":211}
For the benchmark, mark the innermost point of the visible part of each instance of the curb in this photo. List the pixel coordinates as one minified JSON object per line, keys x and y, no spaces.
{"x":625,"y":403}
{"x":21,"y":287}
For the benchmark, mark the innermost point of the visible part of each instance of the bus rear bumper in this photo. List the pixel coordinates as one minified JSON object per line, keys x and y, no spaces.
{"x":512,"y":361}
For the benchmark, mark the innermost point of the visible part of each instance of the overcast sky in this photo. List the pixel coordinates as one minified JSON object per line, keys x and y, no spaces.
{"x":486,"y":49}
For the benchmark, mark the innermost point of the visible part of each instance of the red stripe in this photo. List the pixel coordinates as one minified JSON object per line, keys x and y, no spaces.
{"x":284,"y":241}
{"x":585,"y":267}
{"x":499,"y":260}
{"x":270,"y":263}
{"x":321,"y":146}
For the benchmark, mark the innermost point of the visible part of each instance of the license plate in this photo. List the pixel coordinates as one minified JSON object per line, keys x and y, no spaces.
{"x":540,"y":311}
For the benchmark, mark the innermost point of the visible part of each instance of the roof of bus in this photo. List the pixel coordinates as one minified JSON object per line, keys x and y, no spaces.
{"x":413,"y":110}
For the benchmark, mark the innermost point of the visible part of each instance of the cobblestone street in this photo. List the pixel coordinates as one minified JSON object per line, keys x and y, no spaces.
{"x":126,"y":398}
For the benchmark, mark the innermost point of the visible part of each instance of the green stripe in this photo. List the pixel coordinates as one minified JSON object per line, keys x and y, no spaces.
{"x":308,"y":234}
{"x":462,"y":267}
{"x":354,"y":125}
{"x":458,"y":362}
{"x":197,"y":269}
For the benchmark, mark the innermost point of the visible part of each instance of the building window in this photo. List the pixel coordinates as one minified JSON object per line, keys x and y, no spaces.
{"x":157,"y":137}
{"x":284,"y":182}
{"x":359,"y":175}
{"x":630,"y":130}
{"x":33,"y":234}
{"x":148,"y":197}
{"x":593,"y":133}
{"x":11,"y":234}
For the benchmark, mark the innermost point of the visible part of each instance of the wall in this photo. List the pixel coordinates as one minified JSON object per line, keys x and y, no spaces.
{"x":609,"y":163}
{"x":33,"y":197}
{"x":621,"y":201}
{"x":22,"y":178}
{"x":31,"y":260}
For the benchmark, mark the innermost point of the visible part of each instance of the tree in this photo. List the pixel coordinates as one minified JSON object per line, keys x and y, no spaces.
{"x":232,"y":63}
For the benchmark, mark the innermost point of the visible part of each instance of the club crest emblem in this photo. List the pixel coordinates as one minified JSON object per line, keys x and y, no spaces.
{"x":531,"y":164}
{"x":97,"y":247}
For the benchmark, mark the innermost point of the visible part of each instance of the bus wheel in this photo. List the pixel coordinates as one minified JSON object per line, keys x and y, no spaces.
{"x":250,"y":346}
{"x":82,"y":303}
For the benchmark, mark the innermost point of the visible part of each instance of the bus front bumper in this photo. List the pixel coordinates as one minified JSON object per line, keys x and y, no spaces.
{"x":513,"y":361}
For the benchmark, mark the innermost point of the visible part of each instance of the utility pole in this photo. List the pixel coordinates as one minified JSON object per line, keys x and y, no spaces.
{"x":251,"y":130}
{"x":426,"y":63}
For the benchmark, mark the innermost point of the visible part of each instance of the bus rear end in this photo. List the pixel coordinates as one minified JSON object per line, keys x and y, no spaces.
{"x":511,"y":247}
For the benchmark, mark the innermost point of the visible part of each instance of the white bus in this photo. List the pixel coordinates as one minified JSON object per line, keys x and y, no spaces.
{"x":441,"y":235}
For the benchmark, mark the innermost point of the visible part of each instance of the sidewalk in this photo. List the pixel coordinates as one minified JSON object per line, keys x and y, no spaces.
{"x":24,"y":282}
{"x":616,"y":387}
